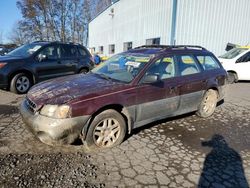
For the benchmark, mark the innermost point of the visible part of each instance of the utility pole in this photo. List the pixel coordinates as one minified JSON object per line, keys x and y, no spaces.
{"x":173,"y":24}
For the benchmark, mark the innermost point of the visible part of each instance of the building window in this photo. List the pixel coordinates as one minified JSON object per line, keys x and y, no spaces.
{"x":154,"y":41}
{"x":100,"y":49}
{"x":111,"y":49}
{"x":127,"y":46}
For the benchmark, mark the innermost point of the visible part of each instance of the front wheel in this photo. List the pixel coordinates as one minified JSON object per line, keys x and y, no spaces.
{"x":232,"y":78}
{"x":20,"y":83}
{"x":208,"y":104}
{"x":107,"y":130}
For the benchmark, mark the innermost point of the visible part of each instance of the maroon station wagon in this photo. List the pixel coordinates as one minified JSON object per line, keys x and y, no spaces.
{"x":129,"y":90}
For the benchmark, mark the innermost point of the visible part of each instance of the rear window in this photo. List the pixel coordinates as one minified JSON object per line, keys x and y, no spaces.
{"x":208,"y":62}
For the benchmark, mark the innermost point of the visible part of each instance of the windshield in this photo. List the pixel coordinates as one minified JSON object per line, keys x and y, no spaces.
{"x":25,"y":50}
{"x":122,"y":67}
{"x":233,"y":53}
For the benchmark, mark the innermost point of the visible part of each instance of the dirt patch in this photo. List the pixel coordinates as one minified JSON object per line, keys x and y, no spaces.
{"x":50,"y":170}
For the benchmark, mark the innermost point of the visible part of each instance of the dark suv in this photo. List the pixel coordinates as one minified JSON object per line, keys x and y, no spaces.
{"x":38,"y":61}
{"x":129,"y":90}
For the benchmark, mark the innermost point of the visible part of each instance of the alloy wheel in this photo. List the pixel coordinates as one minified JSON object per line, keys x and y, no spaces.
{"x":107,"y":132}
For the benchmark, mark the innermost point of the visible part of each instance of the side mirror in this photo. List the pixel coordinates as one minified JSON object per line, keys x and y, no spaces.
{"x":238,"y":60}
{"x":41,"y":57}
{"x":150,"y":78}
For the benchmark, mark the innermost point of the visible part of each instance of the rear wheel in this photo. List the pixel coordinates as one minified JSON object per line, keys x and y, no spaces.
{"x":208,"y":104}
{"x":107,"y":130}
{"x":20,"y":83}
{"x":84,"y":71}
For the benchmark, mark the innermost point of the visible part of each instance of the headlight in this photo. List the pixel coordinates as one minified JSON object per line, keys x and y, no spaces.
{"x":56,"y":111}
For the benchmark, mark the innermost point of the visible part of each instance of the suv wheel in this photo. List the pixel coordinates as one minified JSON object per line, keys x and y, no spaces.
{"x":20,"y":83}
{"x":107,"y":130}
{"x":83,"y":71}
{"x":232,"y":78}
{"x":208,"y":104}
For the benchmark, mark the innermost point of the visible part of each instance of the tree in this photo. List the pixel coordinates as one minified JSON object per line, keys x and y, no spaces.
{"x":62,"y":20}
{"x":20,"y":34}
{"x":1,"y":37}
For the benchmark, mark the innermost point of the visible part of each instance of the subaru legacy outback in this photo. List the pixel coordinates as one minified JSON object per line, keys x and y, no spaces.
{"x":39,"y":61}
{"x":129,"y":90}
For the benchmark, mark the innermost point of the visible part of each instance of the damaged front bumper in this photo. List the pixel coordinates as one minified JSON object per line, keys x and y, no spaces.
{"x":53,"y":131}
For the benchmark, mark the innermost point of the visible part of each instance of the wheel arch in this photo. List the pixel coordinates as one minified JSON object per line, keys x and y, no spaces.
{"x":234,"y":72}
{"x":117,"y":107}
{"x":29,"y":73}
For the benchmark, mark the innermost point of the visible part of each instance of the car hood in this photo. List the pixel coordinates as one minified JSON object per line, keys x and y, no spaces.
{"x":7,"y":58}
{"x":62,"y":90}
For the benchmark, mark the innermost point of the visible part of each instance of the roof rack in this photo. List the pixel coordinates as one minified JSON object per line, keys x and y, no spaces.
{"x":40,"y":41}
{"x":171,"y":46}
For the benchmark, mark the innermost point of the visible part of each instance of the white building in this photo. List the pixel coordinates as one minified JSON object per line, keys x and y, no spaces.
{"x":210,"y":23}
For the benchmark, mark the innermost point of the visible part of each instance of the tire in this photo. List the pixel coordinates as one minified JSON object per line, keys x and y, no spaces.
{"x":232,"y":78}
{"x":20,"y":83}
{"x":84,"y":71}
{"x":107,"y":130}
{"x":208,"y":104}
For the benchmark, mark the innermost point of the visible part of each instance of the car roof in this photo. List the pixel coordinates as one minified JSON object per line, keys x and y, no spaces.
{"x":161,"y":49}
{"x":55,"y":42}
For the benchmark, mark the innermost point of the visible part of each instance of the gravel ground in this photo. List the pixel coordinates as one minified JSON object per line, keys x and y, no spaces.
{"x":185,"y":151}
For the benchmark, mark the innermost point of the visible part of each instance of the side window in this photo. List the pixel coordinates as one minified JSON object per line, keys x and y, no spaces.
{"x":68,"y":51}
{"x":163,"y":68}
{"x":244,"y":58}
{"x":208,"y":62}
{"x":49,"y":53}
{"x":82,"y":52}
{"x":187,"y":65}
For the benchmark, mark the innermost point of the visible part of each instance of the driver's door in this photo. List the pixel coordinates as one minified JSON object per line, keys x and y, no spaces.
{"x":47,"y":63}
{"x":160,"y":98}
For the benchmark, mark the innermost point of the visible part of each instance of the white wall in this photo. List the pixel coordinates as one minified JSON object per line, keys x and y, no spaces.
{"x":134,"y":20}
{"x":213,"y":23}
{"x":210,"y":23}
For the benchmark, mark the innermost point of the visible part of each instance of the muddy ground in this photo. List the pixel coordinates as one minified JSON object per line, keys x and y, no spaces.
{"x":185,"y":151}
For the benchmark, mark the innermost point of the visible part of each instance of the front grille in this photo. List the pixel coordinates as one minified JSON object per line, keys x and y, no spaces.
{"x":30,"y":105}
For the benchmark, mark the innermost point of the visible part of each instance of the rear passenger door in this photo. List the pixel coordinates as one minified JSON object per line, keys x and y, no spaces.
{"x":191,"y":83}
{"x":69,"y":58}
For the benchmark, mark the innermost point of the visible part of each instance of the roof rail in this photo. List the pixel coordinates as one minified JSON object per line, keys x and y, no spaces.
{"x":40,"y":41}
{"x":171,"y":46}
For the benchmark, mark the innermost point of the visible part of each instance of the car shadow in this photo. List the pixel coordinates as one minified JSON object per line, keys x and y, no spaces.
{"x":158,"y":122}
{"x":222,"y":166}
{"x":148,"y":126}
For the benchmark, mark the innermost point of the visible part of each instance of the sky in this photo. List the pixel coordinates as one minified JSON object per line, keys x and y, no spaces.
{"x":9,"y":15}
